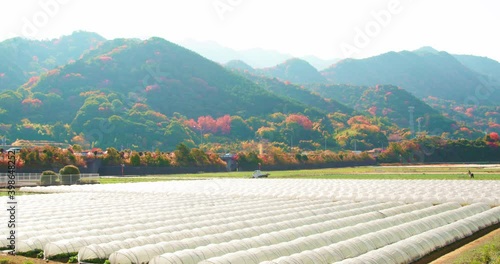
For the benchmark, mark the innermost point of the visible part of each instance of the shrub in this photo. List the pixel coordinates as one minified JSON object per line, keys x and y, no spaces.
{"x":70,"y":174}
{"x":49,"y":178}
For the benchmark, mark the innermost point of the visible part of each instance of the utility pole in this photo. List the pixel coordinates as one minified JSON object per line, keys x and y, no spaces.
{"x":201,"y":135}
{"x":419,"y":120}
{"x":411,"y":109}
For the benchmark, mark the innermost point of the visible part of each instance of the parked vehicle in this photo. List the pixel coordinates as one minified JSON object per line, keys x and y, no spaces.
{"x":259,"y":174}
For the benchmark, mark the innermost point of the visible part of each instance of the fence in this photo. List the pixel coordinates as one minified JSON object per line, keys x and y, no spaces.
{"x":33,"y":179}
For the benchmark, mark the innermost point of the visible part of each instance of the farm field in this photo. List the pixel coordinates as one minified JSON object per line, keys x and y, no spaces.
{"x":425,"y":172}
{"x":282,"y":220}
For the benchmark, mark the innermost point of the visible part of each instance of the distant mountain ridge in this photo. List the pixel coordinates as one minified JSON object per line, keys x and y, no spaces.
{"x":256,"y":58}
{"x":488,"y":67}
{"x":423,"y":73}
{"x":295,"y":71}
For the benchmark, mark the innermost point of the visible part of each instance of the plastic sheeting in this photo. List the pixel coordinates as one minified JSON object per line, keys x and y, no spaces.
{"x":273,"y":218}
{"x":435,"y":191}
{"x":269,"y":234}
{"x":377,"y":239}
{"x":419,"y":245}
{"x":343,"y":229}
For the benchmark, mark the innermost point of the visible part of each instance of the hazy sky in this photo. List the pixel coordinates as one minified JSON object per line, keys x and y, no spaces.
{"x":325,"y":28}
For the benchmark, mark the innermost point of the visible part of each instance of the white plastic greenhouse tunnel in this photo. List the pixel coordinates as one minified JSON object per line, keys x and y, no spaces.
{"x":249,"y":221}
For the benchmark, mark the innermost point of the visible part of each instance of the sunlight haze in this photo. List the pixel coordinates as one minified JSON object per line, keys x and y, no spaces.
{"x":299,"y":28}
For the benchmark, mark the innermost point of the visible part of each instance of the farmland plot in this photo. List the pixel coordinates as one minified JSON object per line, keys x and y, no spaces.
{"x":255,"y":221}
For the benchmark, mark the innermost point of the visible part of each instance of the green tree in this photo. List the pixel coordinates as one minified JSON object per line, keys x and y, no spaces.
{"x":249,"y":161}
{"x":112,"y":157}
{"x":135,"y":159}
{"x":240,"y":129}
{"x":183,"y":155}
{"x":176,"y":133}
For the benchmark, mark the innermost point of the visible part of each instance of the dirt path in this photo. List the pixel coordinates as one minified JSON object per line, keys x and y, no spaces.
{"x":22,"y":260}
{"x":452,"y":256}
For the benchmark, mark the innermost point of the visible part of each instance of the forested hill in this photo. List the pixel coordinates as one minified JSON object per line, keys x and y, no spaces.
{"x":21,"y":58}
{"x":291,"y":91}
{"x":167,"y":77}
{"x":392,"y":102}
{"x":140,"y":87}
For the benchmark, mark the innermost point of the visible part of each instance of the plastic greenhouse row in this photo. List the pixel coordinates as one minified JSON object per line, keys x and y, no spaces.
{"x":311,"y":212}
{"x":34,"y":226}
{"x":346,"y":230}
{"x":371,"y":241}
{"x":435,"y":191}
{"x":415,"y":247}
{"x":212,"y":225}
{"x":253,"y":221}
{"x":193,"y":216}
{"x":309,"y":225}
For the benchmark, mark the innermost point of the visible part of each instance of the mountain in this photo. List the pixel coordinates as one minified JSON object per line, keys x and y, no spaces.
{"x":483,"y":117}
{"x":164,"y":74}
{"x":423,"y":73}
{"x":318,"y":63}
{"x":21,"y":58}
{"x":392,"y":102}
{"x":295,"y":93}
{"x":482,"y":65}
{"x":295,"y":71}
{"x":147,"y":89}
{"x":239,"y":65}
{"x":256,"y":58}
{"x":145,"y":94}
{"x":426,"y":49}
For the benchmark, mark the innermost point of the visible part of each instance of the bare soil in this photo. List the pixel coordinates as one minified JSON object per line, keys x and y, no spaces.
{"x":23,"y":259}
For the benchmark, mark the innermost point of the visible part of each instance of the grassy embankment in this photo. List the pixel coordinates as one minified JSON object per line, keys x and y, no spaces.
{"x":372,"y":172}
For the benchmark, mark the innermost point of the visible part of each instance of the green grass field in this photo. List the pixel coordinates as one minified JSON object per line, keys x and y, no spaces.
{"x":372,"y":172}
{"x":488,"y":252}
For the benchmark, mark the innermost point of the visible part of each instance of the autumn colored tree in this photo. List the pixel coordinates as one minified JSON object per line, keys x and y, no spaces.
{"x":302,"y":120}
{"x":494,"y":136}
{"x":223,"y":124}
